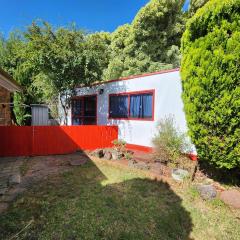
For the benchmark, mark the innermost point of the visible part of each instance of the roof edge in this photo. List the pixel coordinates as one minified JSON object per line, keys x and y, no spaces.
{"x":133,"y":76}
{"x":9,"y":78}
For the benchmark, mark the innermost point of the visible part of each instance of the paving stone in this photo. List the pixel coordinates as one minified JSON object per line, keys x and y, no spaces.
{"x":231,"y":198}
{"x":3,"y":191}
{"x":77,"y":162}
{"x":3,"y":207}
{"x":15,"y":179}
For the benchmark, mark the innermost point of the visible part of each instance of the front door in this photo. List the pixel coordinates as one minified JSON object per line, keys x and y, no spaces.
{"x":84,"y":110}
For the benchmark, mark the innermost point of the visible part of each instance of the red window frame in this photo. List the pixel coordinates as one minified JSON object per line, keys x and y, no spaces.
{"x":151,"y":91}
{"x":82,"y":97}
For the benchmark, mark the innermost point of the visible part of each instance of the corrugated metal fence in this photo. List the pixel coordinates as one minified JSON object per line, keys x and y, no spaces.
{"x":47,"y":140}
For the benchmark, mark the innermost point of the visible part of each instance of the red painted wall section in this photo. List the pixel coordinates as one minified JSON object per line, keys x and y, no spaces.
{"x":46,"y":140}
{"x":139,"y":148}
{"x":15,"y":141}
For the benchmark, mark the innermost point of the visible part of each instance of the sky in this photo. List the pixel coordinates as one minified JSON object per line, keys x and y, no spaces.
{"x":92,"y":15}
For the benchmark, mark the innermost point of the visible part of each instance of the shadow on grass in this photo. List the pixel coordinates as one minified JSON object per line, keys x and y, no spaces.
{"x":81,"y":204}
{"x":224,"y":176}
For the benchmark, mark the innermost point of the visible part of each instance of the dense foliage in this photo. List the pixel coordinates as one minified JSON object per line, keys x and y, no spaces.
{"x":151,"y":42}
{"x":195,"y":5}
{"x":211,"y":81}
{"x":50,"y":62}
{"x":15,"y":60}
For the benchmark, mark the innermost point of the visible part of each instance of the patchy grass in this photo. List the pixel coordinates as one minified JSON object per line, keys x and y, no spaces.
{"x":99,"y":201}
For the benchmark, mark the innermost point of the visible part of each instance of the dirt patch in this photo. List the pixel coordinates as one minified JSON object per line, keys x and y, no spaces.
{"x":25,"y":172}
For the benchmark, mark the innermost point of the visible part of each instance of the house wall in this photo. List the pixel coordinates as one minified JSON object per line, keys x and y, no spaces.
{"x":5,"y":112}
{"x":168,"y":89}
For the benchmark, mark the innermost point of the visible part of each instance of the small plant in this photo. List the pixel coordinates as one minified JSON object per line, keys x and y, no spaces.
{"x":170,"y":143}
{"x":119,"y":145}
{"x":128,"y":155}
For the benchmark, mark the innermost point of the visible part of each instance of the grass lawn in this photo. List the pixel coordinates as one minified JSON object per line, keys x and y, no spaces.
{"x":100,"y":201}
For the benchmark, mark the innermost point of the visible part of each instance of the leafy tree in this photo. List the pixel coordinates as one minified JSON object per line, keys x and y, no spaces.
{"x":211,"y":82}
{"x":68,"y":57}
{"x":195,"y":5}
{"x":14,"y":59}
{"x":151,"y":42}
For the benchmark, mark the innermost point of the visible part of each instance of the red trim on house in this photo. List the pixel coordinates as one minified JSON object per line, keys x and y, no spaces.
{"x":133,"y":76}
{"x":129,"y":94}
{"x":146,"y":149}
{"x":192,"y":156}
{"x":139,"y":148}
{"x":83,"y":96}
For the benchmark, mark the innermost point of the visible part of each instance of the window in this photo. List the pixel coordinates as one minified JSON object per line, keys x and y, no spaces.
{"x":141,"y":106}
{"x":137,"y":105}
{"x":118,"y":106}
{"x":84,"y":110}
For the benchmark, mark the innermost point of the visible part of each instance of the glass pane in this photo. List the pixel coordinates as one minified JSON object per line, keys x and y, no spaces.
{"x":77,"y":107}
{"x":118,"y":106}
{"x":77,"y":121}
{"x":90,"y":106}
{"x":89,"y":121}
{"x":141,"y":106}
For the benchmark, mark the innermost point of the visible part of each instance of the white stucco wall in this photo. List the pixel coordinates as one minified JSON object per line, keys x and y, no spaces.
{"x":168,"y":101}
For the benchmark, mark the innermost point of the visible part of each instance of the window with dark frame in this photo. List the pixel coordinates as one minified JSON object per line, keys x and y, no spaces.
{"x":131,"y":106}
{"x":84,"y":110}
{"x":118,"y":106}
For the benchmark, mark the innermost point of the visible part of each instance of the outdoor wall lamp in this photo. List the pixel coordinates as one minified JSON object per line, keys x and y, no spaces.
{"x":101,"y":91}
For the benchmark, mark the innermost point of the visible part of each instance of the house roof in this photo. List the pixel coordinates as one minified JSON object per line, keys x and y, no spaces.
{"x":7,"y":82}
{"x":134,"y":76}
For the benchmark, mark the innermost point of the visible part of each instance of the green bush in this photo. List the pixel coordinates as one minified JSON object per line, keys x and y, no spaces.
{"x":169,"y":142}
{"x":211,"y":82}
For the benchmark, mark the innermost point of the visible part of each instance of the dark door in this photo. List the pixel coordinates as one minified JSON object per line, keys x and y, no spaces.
{"x":84,"y":110}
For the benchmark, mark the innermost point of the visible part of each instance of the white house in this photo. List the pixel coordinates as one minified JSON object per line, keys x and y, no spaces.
{"x":135,"y":104}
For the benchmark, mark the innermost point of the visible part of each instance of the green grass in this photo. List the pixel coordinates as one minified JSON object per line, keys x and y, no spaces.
{"x":99,"y":201}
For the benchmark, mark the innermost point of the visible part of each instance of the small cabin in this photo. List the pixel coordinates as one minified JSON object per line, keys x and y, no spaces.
{"x":135,"y":104}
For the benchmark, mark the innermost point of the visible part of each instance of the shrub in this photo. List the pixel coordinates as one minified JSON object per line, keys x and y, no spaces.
{"x":119,"y":145}
{"x":169,"y":142}
{"x":211,"y":82}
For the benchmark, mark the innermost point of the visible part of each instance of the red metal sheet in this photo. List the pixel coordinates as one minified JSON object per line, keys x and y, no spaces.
{"x":47,"y":140}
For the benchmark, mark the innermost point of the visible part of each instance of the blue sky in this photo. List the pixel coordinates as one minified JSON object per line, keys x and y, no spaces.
{"x":93,"y":15}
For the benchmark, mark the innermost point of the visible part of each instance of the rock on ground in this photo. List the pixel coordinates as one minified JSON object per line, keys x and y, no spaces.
{"x":207,"y":191}
{"x":231,"y":198}
{"x":14,"y":179}
{"x":98,"y":153}
{"x":107,"y":155}
{"x":116,"y":155}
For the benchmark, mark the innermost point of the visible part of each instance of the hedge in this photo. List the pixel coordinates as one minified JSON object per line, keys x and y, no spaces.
{"x":210,"y":71}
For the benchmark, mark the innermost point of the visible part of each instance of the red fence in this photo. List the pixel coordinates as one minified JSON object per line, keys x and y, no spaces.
{"x":46,"y":140}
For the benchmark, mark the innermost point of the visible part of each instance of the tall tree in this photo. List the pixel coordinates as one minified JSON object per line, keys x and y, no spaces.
{"x":150,"y":42}
{"x":68,"y":57}
{"x":15,"y":60}
{"x":195,"y":5}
